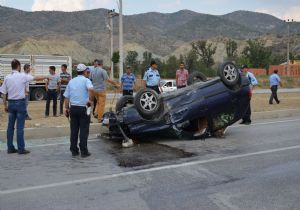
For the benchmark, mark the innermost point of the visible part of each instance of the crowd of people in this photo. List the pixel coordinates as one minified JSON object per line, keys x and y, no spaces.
{"x":80,"y":94}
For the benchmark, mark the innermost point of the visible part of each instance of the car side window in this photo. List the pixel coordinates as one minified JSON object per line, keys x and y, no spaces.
{"x":168,"y":84}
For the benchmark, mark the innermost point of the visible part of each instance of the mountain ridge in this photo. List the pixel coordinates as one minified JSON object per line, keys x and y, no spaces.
{"x":160,"y":33}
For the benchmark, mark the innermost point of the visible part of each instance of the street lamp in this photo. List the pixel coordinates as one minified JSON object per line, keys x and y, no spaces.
{"x":120,"y":5}
{"x":110,"y":26}
{"x":288,"y":21}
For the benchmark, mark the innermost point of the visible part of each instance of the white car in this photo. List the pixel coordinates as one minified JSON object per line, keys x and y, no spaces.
{"x":168,"y":85}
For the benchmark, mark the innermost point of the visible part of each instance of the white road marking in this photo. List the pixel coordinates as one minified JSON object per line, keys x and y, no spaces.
{"x":232,"y":126}
{"x":142,"y":171}
{"x":266,"y":123}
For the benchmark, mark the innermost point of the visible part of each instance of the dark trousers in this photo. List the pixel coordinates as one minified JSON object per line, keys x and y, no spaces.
{"x":127,"y":92}
{"x":274,"y":94}
{"x":154,"y":88}
{"x":179,"y":87}
{"x":51,"y":95}
{"x":95,"y":104}
{"x":247,"y":115}
{"x":80,"y":125}
{"x":16,"y":112}
{"x":61,"y":103}
{"x":27,"y":99}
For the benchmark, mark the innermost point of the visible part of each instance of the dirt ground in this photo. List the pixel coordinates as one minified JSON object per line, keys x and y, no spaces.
{"x":37,"y":110}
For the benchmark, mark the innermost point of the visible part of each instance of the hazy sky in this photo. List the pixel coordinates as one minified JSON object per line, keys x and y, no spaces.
{"x":283,"y":9}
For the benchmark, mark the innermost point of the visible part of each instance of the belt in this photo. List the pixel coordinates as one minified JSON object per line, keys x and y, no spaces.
{"x":156,"y":86}
{"x":23,"y":99}
{"x":77,"y":106}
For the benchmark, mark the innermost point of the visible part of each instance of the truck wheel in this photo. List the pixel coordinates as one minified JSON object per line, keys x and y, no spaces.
{"x":38,"y":94}
{"x":196,"y":77}
{"x":148,"y":103}
{"x":123,"y":101}
{"x":229,"y":74}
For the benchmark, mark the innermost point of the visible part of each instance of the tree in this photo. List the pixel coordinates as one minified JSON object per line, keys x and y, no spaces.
{"x":205,"y":51}
{"x":257,"y":53}
{"x":131,"y":59}
{"x":147,"y":57}
{"x":231,"y":49}
{"x":277,"y":59}
{"x":172,"y":64}
{"x":191,"y":61}
{"x":116,"y":59}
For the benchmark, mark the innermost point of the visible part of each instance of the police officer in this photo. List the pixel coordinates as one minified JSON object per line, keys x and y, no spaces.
{"x":253,"y":82}
{"x":78,"y":97}
{"x":152,"y":78}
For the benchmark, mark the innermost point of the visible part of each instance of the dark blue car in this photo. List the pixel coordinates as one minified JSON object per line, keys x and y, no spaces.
{"x":203,"y":108}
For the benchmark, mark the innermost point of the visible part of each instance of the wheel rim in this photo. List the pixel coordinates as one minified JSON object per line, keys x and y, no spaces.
{"x":148,"y":101}
{"x":230,"y":73}
{"x":39,"y":95}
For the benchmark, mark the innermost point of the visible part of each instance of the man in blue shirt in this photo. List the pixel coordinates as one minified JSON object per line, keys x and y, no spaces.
{"x":274,"y":82}
{"x":78,"y":97}
{"x":253,"y":82}
{"x":152,"y":77}
{"x":128,"y":82}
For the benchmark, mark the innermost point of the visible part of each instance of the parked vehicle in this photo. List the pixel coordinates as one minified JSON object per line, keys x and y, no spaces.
{"x":40,"y":67}
{"x":168,"y":85}
{"x":201,"y":109}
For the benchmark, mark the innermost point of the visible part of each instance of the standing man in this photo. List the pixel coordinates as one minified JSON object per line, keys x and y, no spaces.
{"x":127,"y":82}
{"x":99,"y":76}
{"x":13,"y":90}
{"x":182,"y":76}
{"x":65,"y":77}
{"x":52,"y":88}
{"x":152,"y":78}
{"x":78,"y":96}
{"x":253,"y":82}
{"x":27,"y":92}
{"x":274,"y":83}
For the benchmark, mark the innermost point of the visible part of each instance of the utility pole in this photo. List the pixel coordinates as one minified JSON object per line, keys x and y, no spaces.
{"x":288,"y":21}
{"x":110,"y":26}
{"x":121,"y":38}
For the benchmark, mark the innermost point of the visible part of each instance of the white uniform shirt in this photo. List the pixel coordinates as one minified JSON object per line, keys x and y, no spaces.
{"x":14,"y":85}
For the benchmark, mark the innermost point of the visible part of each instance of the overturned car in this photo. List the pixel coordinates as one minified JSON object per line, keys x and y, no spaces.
{"x":203,"y":108}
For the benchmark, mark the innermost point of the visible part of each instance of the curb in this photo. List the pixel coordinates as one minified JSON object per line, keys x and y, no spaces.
{"x":96,"y":128}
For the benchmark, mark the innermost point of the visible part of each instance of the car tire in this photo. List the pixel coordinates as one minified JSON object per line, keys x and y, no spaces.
{"x":229,"y":74}
{"x":123,"y":101}
{"x":38,"y":94}
{"x":148,"y":103}
{"x":196,"y":77}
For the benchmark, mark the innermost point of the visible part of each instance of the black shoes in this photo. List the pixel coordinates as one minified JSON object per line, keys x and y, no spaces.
{"x":74,"y":154}
{"x":28,"y":118}
{"x":85,"y":154}
{"x":11,"y":151}
{"x":23,"y":152}
{"x":20,"y":152}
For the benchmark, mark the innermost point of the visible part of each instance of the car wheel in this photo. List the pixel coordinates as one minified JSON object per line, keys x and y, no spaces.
{"x":196,"y":77}
{"x":148,"y":103}
{"x":229,"y":74}
{"x":123,"y":101}
{"x":38,"y":94}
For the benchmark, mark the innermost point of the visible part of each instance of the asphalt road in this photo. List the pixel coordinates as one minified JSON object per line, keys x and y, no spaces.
{"x":254,"y":167}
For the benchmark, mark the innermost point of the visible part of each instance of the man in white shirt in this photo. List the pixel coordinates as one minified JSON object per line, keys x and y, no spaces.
{"x":79,"y":96}
{"x":13,"y":90}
